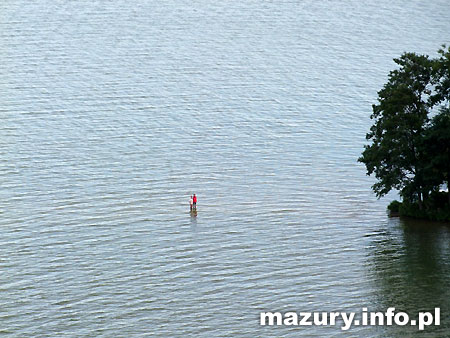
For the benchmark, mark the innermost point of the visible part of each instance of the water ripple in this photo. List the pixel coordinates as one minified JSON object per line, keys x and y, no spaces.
{"x":113,"y":113}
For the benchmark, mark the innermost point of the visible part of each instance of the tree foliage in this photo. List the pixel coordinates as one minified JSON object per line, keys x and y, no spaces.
{"x":437,"y":147}
{"x":408,"y":148}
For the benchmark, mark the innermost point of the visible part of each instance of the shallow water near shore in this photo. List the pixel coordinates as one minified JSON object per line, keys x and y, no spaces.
{"x":114,"y":113}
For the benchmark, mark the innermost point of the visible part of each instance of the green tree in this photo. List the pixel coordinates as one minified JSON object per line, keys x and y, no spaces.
{"x":437,"y":148}
{"x":441,"y":77}
{"x":437,"y":138}
{"x":395,"y":155}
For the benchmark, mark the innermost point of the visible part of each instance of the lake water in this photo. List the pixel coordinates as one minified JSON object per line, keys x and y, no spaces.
{"x":114,"y":112}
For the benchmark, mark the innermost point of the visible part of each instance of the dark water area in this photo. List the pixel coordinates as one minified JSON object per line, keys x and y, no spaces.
{"x":409,"y":262}
{"x":113,"y":113}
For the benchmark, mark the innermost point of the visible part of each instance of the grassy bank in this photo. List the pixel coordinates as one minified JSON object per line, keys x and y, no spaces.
{"x":435,"y":208}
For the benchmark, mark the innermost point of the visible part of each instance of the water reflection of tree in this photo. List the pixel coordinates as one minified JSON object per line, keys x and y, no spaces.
{"x":410,"y":264}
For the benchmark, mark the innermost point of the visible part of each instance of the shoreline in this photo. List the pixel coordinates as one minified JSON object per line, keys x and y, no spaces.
{"x":413,"y":212}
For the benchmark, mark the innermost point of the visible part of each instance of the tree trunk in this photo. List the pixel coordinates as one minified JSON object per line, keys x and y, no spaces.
{"x":420,"y":201}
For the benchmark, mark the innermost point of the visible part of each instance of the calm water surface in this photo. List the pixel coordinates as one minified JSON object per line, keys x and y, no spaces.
{"x":114,"y":112}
